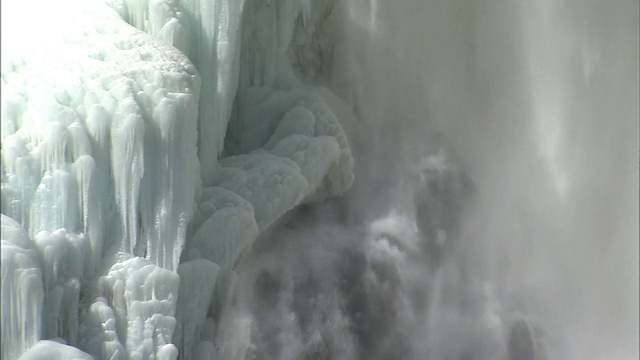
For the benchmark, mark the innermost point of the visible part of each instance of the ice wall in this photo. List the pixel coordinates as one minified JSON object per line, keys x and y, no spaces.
{"x":539,"y":102}
{"x":96,"y":116}
{"x":93,"y":120}
{"x":109,"y":112}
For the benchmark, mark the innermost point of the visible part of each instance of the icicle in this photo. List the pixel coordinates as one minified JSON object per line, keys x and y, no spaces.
{"x":22,"y":291}
{"x":128,"y":168}
{"x":80,"y":143}
{"x":197,"y":282}
{"x":55,"y":204}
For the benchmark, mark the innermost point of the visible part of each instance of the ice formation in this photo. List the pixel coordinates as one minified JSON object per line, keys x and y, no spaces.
{"x":104,"y":133}
{"x":170,"y":170}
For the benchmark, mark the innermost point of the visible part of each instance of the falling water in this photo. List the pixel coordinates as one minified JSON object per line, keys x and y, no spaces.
{"x":494,"y":213}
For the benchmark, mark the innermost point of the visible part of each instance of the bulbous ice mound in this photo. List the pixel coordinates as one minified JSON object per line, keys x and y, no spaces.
{"x":47,"y":349}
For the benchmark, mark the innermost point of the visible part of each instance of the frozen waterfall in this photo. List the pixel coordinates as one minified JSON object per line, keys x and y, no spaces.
{"x":319,"y":179}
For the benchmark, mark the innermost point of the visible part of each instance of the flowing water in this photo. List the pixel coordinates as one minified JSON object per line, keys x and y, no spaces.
{"x":494,"y":214}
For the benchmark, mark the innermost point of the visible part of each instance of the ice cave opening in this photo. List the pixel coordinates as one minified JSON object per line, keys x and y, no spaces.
{"x":319,"y":179}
